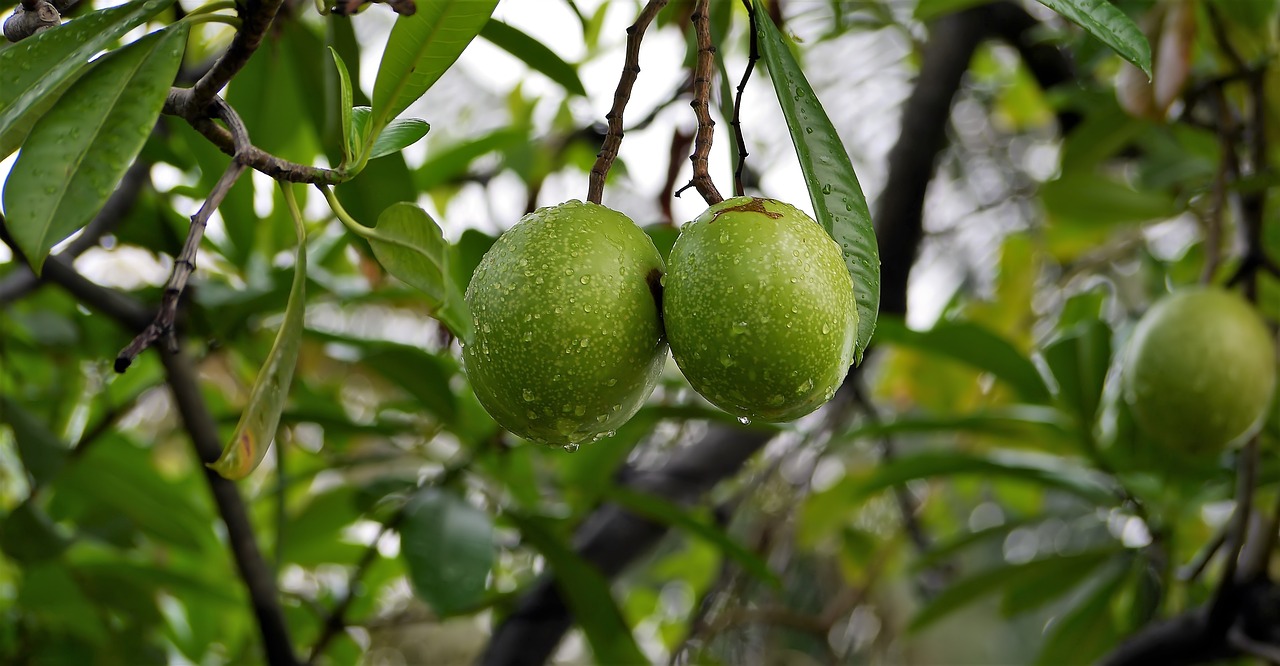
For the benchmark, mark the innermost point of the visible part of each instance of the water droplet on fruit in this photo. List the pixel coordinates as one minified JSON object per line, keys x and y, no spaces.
{"x":528,"y":395}
{"x":570,"y":448}
{"x":744,"y":420}
{"x":584,"y":279}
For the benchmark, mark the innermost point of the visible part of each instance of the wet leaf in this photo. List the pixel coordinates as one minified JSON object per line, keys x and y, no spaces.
{"x":78,"y":152}
{"x":837,"y":197}
{"x":1108,"y":25}
{"x":37,"y":70}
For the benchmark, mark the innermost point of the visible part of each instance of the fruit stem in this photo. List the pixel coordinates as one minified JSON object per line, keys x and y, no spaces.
{"x":703,"y":71}
{"x":630,"y":71}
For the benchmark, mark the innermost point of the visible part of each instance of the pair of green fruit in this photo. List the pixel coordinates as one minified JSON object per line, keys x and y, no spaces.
{"x":574,"y":310}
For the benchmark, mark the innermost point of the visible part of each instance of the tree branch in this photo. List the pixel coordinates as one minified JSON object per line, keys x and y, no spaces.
{"x":630,"y":71}
{"x":704,"y":69}
{"x":256,"y":17}
{"x":185,"y":263}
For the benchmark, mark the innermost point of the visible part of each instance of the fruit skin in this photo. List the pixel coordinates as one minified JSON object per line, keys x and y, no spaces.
{"x":568,"y":338}
{"x":1200,"y":370}
{"x":759,"y":309}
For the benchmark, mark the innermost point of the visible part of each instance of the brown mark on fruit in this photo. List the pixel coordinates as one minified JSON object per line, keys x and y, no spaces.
{"x":654,"y":279}
{"x":752,"y":206}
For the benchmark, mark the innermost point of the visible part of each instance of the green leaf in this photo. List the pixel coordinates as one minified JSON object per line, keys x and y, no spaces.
{"x":359,"y":131}
{"x":927,"y":10}
{"x":349,"y":147}
{"x":1085,"y":633}
{"x":37,"y":70}
{"x":410,"y":246}
{"x":534,"y":54}
{"x":78,"y":152}
{"x":261,"y":417}
{"x":975,"y":345}
{"x":1108,"y":25}
{"x":447,"y":546}
{"x":1036,"y":468}
{"x":28,"y":536}
{"x":978,"y":586}
{"x":1079,"y":363}
{"x":1090,"y":200}
{"x":837,"y":197}
{"x":398,"y":135}
{"x":449,"y":164}
{"x":421,"y":47}
{"x":41,"y":451}
{"x":587,"y":593}
{"x":1036,"y":587}
{"x":1009,"y":420}
{"x":656,"y":508}
{"x":423,"y":375}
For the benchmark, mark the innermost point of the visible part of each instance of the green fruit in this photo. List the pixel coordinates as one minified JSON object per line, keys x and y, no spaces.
{"x":568,"y":340}
{"x":1200,"y":370}
{"x":759,"y":309}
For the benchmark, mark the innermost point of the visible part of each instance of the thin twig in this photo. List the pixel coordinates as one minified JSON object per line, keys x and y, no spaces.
{"x":1226,"y":170}
{"x":630,"y":71}
{"x":1257,"y":649}
{"x":1224,"y":606}
{"x":1192,"y":570}
{"x":704,"y":70}
{"x":336,"y":621}
{"x":753,"y":55}
{"x":185,"y":263}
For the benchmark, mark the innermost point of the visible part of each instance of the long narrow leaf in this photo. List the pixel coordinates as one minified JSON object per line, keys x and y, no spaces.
{"x":1040,"y":469}
{"x":1108,"y":25}
{"x":421,"y":47}
{"x":258,"y":423}
{"x":587,"y":593}
{"x":976,"y":346}
{"x":37,"y":70}
{"x":77,"y":153}
{"x":534,"y":54}
{"x":833,"y":186}
{"x":661,"y":510}
{"x":345,"y":103}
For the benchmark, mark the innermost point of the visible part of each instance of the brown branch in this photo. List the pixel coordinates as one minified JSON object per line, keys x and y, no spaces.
{"x":185,"y":263}
{"x":256,"y":17}
{"x":704,"y":70}
{"x":753,"y":54}
{"x":1227,"y":170}
{"x":630,"y":71}
{"x":29,"y":18}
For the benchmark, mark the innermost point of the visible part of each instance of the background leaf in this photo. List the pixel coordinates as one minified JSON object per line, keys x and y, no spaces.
{"x":41,"y":451}
{"x":447,"y":546}
{"x":837,"y":197}
{"x":587,"y":594}
{"x":534,"y":54}
{"x":77,"y":153}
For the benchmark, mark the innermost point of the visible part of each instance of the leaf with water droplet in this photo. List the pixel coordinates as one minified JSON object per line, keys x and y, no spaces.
{"x":82,"y":171}
{"x":823,"y":159}
{"x":261,"y":417}
{"x":37,"y":70}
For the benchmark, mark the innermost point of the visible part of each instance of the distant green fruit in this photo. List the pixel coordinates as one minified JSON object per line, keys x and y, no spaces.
{"x":1200,"y":370}
{"x":568,"y":340}
{"x":759,"y":309}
